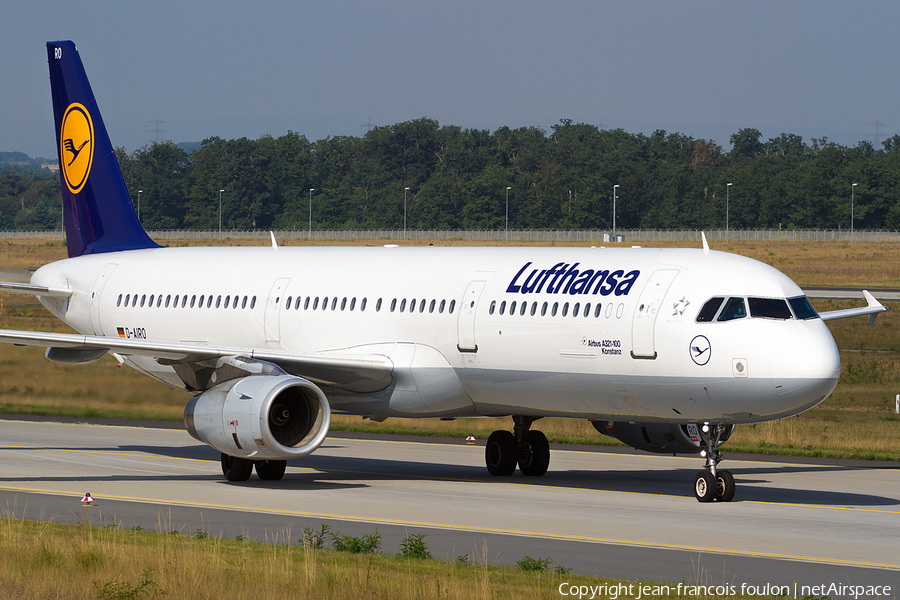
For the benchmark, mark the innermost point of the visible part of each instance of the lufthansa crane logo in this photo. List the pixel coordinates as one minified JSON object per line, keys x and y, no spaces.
{"x":76,"y":146}
{"x":700,"y":350}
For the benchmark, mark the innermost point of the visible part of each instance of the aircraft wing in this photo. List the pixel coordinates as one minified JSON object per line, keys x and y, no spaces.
{"x":196,"y":363}
{"x":874,"y":307}
{"x":34,"y":290}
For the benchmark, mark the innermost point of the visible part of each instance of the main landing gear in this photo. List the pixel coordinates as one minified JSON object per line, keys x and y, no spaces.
{"x":711,"y":483}
{"x":239,"y":469}
{"x":527,"y":448}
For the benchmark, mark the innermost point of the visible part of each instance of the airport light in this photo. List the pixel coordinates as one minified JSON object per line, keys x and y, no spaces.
{"x":852,"y":189}
{"x":507,"y":213}
{"x":220,"y":213}
{"x":614,"y":212}
{"x":404,"y":212}
{"x":727,"y":189}
{"x":311,"y":190}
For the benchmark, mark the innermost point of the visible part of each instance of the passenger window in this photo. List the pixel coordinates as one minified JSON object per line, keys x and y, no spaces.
{"x":412,"y":305}
{"x":575,"y":309}
{"x":709,"y":310}
{"x":769,"y":308}
{"x":287,"y":305}
{"x":522,"y":309}
{"x":305,"y":303}
{"x":343,"y":303}
{"x":334,"y":303}
{"x":441,"y":307}
{"x":169,"y":297}
{"x":565,"y":309}
{"x":555,"y":308}
{"x":193,"y":300}
{"x":253,"y":302}
{"x":244,"y":302}
{"x":503,"y":307}
{"x":431,"y":307}
{"x":378,"y":305}
{"x":734,"y":309}
{"x":597,"y":310}
{"x":199,"y":304}
{"x":144,"y":297}
{"x":403,"y":305}
{"x":362,"y":305}
{"x":544,"y":309}
{"x":587,"y":310}
{"x":325,"y":303}
{"x":209,"y":301}
{"x":512,"y":308}
{"x":493,"y":306}
{"x":227,"y":300}
{"x":316,"y":303}
{"x":134,"y":301}
{"x":353,"y":303}
{"x":394,"y":304}
{"x":119,"y":301}
{"x":296,"y":303}
{"x":422,"y":305}
{"x":452,"y":306}
{"x":159,"y":301}
{"x":533,"y":308}
{"x":218,"y":301}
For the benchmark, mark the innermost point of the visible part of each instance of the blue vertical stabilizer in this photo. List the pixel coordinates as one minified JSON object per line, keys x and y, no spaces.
{"x":99,"y":215}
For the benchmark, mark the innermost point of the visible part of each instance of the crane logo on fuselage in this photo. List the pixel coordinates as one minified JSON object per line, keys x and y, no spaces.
{"x":563,"y":278}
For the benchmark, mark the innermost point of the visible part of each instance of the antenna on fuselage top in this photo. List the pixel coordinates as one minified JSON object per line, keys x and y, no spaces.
{"x":705,"y":243}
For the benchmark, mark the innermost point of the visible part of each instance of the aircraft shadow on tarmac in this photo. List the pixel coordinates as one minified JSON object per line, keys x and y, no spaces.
{"x":331,"y":472}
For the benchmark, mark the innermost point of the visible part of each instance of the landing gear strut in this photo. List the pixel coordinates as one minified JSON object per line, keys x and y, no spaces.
{"x":240,"y":469}
{"x":711,"y":483}
{"x":525,"y":447}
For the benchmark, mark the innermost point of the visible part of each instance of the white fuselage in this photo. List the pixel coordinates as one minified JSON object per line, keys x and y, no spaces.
{"x":461,"y":352}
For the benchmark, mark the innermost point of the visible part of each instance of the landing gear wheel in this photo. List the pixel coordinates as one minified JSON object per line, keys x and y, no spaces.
{"x":236,"y":469}
{"x":535,"y":460}
{"x":704,"y":486}
{"x":501,"y":453}
{"x":271,"y":470}
{"x":724,"y":486}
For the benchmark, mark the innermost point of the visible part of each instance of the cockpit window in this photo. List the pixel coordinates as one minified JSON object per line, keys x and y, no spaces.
{"x":769,"y":308}
{"x":709,"y":310}
{"x":734,"y":309}
{"x":802,"y":308}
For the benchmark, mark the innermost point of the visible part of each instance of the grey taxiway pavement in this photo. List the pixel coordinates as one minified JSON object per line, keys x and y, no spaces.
{"x":598,"y":512}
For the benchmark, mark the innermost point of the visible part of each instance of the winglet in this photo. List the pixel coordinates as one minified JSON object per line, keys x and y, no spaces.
{"x":874,"y":307}
{"x":274,"y":243}
{"x":705,"y":243}
{"x":872,"y":303}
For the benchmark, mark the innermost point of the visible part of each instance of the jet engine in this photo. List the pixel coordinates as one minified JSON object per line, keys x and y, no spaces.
{"x":261,"y":417}
{"x":668,"y":438}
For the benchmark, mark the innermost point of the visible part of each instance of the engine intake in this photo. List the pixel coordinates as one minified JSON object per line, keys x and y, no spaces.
{"x":262,"y":417}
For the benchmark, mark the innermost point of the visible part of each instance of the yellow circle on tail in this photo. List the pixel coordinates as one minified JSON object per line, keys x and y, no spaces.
{"x":76,"y":150}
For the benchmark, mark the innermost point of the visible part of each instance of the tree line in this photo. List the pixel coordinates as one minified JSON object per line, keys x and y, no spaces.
{"x":446,"y":177}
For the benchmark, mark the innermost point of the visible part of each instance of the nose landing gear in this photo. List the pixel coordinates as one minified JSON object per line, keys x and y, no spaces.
{"x":711,"y":483}
{"x":527,"y":448}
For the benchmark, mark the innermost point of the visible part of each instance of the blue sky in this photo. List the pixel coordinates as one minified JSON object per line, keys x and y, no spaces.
{"x":240,"y":69}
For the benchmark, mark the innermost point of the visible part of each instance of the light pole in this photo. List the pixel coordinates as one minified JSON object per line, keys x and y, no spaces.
{"x":614,"y":212}
{"x":852,"y":189}
{"x":311,"y":190}
{"x":727,"y":189}
{"x":507,"y":213}
{"x":139,"y":205}
{"x":404,"y":212}
{"x":220,"y":213}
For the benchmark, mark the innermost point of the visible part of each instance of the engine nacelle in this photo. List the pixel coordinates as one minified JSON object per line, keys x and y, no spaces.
{"x":262,"y":417}
{"x":668,"y":438}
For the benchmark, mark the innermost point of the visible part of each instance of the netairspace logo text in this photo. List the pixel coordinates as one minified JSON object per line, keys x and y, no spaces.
{"x":641,"y":592}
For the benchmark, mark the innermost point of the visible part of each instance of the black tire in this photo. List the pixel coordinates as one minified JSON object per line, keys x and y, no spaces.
{"x":724,"y":486}
{"x":501,"y":453}
{"x":271,"y":470}
{"x":236,"y":469}
{"x":704,"y":486}
{"x":535,"y":460}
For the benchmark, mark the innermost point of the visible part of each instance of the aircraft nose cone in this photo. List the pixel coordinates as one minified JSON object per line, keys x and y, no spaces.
{"x":805,"y":365}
